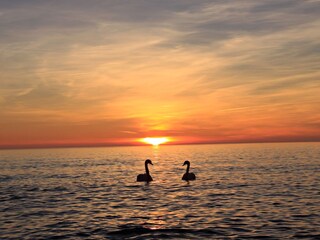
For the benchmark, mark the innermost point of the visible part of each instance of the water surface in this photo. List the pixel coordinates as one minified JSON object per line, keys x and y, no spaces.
{"x":242,"y":191}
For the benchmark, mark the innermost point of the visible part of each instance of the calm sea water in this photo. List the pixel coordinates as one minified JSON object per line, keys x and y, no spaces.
{"x":242,"y":191}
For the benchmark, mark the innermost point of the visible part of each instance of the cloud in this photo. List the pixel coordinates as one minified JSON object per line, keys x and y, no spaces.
{"x":163,"y":63}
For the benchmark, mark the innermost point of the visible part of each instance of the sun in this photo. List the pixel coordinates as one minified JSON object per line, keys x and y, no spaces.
{"x":155,"y":141}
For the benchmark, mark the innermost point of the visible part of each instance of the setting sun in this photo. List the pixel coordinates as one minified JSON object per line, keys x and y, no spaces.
{"x":155,"y":141}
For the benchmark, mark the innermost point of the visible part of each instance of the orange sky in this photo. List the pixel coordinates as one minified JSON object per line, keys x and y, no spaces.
{"x":110,"y":72}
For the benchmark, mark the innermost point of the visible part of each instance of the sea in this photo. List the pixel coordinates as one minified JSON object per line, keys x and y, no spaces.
{"x":241,"y":191}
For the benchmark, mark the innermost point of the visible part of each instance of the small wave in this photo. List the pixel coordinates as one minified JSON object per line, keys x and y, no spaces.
{"x":134,"y":230}
{"x":33,"y":189}
{"x":307,"y":236}
{"x":60,"y":224}
{"x":305,"y":215}
{"x":16,"y":197}
{"x":39,"y":213}
{"x":220,"y":194}
{"x":238,"y":229}
{"x":61,"y":176}
{"x":277,"y":220}
{"x":84,"y":199}
{"x":4,"y":178}
{"x":258,"y":237}
{"x":55,"y":189}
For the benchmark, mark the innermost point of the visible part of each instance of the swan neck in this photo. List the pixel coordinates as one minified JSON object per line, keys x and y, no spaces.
{"x":188,"y":167}
{"x":147,"y":169}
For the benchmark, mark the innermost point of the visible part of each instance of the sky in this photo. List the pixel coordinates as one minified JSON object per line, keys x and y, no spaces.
{"x":108,"y":72}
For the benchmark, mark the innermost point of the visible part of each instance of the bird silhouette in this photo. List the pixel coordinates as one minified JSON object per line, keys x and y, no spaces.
{"x":188,"y":176}
{"x":146,"y":177}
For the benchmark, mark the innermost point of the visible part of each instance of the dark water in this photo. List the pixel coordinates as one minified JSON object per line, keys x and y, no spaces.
{"x":269,"y":191}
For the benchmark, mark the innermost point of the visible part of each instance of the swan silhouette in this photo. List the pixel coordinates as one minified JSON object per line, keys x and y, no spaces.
{"x":145,"y":177}
{"x":188,"y":176}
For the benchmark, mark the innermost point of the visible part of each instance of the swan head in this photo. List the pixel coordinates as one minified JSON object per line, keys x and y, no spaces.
{"x":148,"y":161}
{"x":186,"y":163}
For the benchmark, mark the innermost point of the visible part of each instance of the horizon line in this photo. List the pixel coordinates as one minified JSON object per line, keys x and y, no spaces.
{"x":88,"y":145}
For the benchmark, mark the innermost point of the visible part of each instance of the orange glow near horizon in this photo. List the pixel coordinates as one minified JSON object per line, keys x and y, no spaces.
{"x":155,"y":141}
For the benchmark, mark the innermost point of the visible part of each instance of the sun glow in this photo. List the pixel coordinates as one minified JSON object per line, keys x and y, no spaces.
{"x":155,"y":141}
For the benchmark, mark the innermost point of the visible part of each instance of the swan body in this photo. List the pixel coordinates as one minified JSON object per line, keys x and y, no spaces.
{"x":145,"y":177}
{"x":188,"y":176}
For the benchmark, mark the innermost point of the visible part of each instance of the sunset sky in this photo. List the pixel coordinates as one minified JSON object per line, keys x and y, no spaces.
{"x":108,"y":72}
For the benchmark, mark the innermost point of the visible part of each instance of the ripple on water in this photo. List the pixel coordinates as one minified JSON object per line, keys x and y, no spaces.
{"x":151,"y":232}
